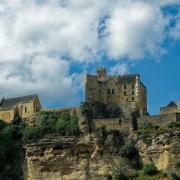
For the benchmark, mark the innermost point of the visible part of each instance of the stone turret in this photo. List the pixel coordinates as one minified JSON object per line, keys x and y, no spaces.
{"x":101,"y":73}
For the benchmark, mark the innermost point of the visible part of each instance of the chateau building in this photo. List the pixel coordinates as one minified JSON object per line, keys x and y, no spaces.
{"x":24,"y":107}
{"x":172,"y":107}
{"x":126,"y":91}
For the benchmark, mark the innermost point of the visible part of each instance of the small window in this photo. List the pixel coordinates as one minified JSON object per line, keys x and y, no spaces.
{"x":132,"y":98}
{"x":125,"y":87}
{"x":132,"y":86}
{"x":25,"y":109}
{"x":125,"y":93}
{"x":132,"y":92}
{"x":108,"y":91}
{"x":144,"y":111}
{"x":113,"y":91}
{"x":126,"y":99}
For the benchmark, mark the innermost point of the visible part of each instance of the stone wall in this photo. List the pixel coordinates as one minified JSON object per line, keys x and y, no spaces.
{"x":127,"y":108}
{"x":112,"y":123}
{"x":162,"y":119}
{"x":59,"y":111}
{"x":167,"y":110}
{"x":7,"y":115}
{"x":116,"y":89}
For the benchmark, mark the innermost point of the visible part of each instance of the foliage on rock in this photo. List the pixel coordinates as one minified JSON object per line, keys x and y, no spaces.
{"x":128,"y":150}
{"x":150,"y":169}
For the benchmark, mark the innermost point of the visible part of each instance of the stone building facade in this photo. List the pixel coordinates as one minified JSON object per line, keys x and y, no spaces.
{"x":127,"y":91}
{"x":172,"y":107}
{"x":24,"y":107}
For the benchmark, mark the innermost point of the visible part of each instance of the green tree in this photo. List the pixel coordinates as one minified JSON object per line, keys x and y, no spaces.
{"x":128,"y":150}
{"x":150,"y":169}
{"x":31,"y":133}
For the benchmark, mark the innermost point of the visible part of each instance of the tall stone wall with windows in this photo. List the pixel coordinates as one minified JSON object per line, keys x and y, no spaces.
{"x":115,"y":90}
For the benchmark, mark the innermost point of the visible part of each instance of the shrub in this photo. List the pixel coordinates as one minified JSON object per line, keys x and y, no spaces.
{"x":73,"y":126}
{"x":150,"y":169}
{"x":67,"y":124}
{"x":147,"y":125}
{"x":30,"y":133}
{"x":47,"y":122}
{"x":119,"y":177}
{"x":60,"y":126}
{"x":173,"y":125}
{"x":9,"y":131}
{"x":128,"y":150}
{"x":2,"y":125}
{"x":175,"y":177}
{"x":97,"y":132}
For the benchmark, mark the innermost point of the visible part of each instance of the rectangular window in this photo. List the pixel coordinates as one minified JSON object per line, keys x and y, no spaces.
{"x":125,"y":93}
{"x":132,"y":98}
{"x":125,"y":87}
{"x":113,"y":91}
{"x":25,"y":109}
{"x":132,"y":92}
{"x":108,"y":91}
{"x":132,"y":86}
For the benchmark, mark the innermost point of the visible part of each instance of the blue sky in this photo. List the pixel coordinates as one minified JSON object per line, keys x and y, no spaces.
{"x":47,"y":46}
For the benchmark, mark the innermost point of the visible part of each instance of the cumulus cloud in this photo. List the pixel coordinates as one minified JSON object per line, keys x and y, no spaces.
{"x":175,"y":31}
{"x":119,"y":69}
{"x":134,"y":30}
{"x":40,"y":40}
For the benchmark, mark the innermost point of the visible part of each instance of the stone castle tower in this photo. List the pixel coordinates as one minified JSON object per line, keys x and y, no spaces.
{"x":127,"y":91}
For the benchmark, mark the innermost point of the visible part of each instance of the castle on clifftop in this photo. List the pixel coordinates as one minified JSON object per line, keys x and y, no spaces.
{"x":126,"y":91}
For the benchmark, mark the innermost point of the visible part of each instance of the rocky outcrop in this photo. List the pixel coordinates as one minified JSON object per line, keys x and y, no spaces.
{"x":92,"y":157}
{"x":163,"y":150}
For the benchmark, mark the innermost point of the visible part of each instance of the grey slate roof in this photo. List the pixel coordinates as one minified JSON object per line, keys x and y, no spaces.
{"x":131,"y":78}
{"x":9,"y":103}
{"x":174,"y":104}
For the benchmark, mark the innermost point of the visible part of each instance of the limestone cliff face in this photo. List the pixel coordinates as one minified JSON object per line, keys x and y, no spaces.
{"x":163,"y":150}
{"x":56,"y":158}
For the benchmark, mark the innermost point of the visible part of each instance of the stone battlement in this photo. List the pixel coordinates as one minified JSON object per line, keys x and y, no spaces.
{"x":159,"y":120}
{"x":112,"y":123}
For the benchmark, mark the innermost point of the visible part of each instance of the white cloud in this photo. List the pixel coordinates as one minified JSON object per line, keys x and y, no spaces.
{"x":40,"y":39}
{"x":175,"y":32}
{"x":119,"y":69}
{"x":135,"y":30}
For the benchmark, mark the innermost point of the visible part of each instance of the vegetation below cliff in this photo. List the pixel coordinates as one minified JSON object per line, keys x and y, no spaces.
{"x":56,"y":148}
{"x":14,"y":136}
{"x":11,"y":152}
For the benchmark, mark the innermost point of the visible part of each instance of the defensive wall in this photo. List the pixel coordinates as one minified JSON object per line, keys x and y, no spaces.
{"x":167,"y":110}
{"x":162,"y":119}
{"x":112,"y":123}
{"x":127,"y":108}
{"x":59,"y":111}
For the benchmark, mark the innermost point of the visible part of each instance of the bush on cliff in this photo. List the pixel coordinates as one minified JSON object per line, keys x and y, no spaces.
{"x":128,"y":150}
{"x":174,"y":125}
{"x":11,"y":152}
{"x":66,"y":124}
{"x":150,"y":169}
{"x":31,"y":133}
